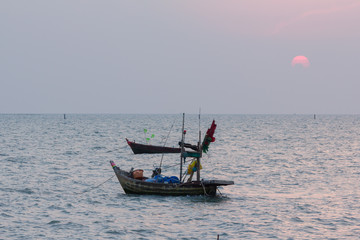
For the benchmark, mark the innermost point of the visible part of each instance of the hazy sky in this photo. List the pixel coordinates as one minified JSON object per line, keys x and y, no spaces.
{"x":161,"y":56}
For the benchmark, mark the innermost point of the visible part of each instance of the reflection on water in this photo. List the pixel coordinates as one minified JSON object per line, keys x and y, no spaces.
{"x":295,"y":178}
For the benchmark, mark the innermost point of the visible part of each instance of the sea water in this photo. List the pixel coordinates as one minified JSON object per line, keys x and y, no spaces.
{"x":295,"y":177}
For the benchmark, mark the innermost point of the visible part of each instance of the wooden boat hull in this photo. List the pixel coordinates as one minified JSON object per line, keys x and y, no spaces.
{"x":138,"y":148}
{"x":135,"y":186}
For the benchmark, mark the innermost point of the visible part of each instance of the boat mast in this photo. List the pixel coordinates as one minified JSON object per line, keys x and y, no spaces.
{"x":200,"y":151}
{"x":182,"y":147}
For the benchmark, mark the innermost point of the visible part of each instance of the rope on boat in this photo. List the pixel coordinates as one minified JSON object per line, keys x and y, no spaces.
{"x":176,"y":164}
{"x":90,"y":189}
{"x":219,"y":191}
{"x":184,"y":176}
{"x":204,"y":189}
{"x":162,"y":156}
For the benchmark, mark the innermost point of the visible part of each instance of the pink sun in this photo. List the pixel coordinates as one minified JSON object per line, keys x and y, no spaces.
{"x":304,"y":61}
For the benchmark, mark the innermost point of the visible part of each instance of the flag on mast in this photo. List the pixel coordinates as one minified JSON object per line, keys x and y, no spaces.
{"x":209,"y":137}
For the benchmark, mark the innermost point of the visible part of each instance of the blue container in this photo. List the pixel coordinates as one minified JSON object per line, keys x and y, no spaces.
{"x":174,"y":179}
{"x":159,"y":179}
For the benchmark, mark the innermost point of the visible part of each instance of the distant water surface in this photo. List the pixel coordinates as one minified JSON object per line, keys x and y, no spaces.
{"x":296,"y":177}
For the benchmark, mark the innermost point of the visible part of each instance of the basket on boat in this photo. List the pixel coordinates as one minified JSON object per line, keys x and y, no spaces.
{"x":138,"y":174}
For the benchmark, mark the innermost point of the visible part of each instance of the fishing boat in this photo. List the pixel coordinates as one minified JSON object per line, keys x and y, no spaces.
{"x":133,"y":181}
{"x":139,"y":148}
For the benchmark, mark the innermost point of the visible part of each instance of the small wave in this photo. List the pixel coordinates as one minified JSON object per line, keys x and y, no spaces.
{"x":72,"y":224}
{"x":93,"y":201}
{"x":7,"y":189}
{"x":6,"y":215}
{"x":58,"y":224}
{"x":114,"y":232}
{"x":53,"y":222}
{"x":25,"y":190}
{"x":69,"y":205}
{"x":143,"y":231}
{"x":97,"y":148}
{"x":55,"y":207}
{"x":11,"y":159}
{"x":296,"y":219}
{"x":72,"y":153}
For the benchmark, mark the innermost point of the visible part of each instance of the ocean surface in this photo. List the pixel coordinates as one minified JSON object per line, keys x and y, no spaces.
{"x":295,"y":177}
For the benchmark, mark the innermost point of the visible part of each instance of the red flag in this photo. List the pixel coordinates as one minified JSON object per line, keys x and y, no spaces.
{"x":209,"y":137}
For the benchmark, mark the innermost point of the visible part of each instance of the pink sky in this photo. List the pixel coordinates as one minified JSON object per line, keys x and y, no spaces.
{"x":103,"y":53}
{"x":279,"y":17}
{"x":326,"y":20}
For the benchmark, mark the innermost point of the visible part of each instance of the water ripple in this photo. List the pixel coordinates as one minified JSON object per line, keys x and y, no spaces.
{"x":295,"y":178}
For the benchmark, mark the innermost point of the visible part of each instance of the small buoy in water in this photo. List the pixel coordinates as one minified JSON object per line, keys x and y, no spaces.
{"x":64,"y":116}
